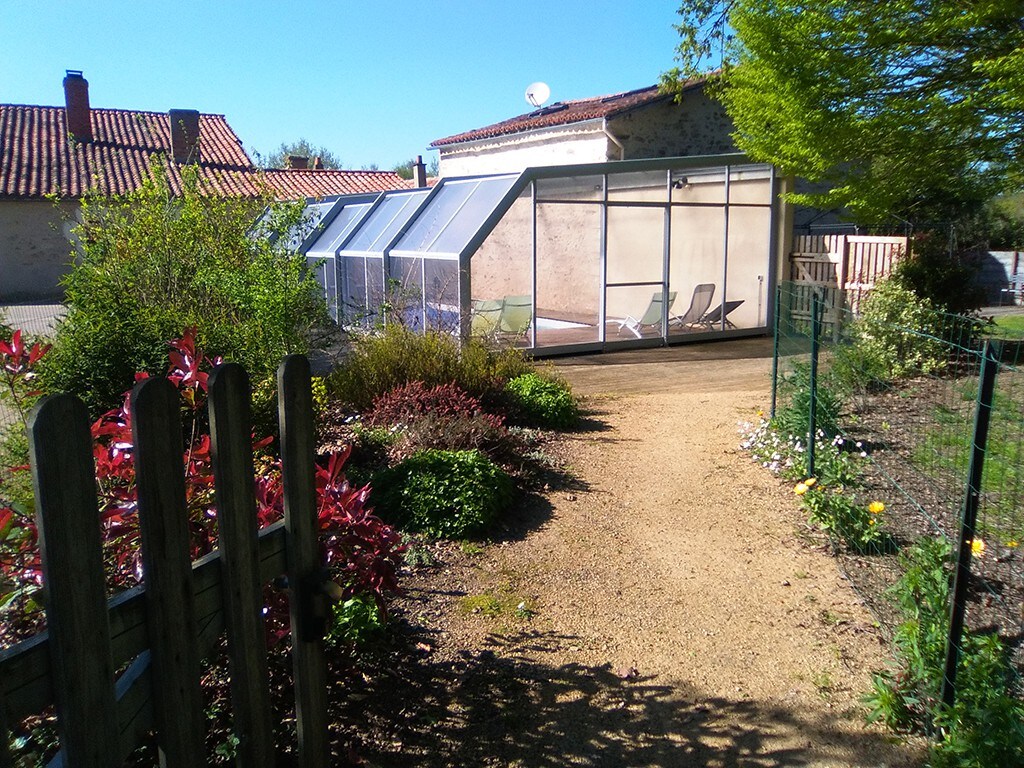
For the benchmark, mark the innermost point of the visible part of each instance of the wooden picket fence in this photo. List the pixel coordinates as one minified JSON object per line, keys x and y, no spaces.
{"x":159,"y":631}
{"x":844,"y":267}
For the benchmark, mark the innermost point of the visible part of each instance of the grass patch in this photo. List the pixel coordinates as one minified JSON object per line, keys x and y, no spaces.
{"x":503,"y":603}
{"x":946,"y":449}
{"x":1010,"y":326}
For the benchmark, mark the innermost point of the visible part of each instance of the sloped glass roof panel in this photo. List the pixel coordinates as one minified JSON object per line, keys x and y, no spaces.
{"x":454,"y":216}
{"x":312,"y":215}
{"x":383,"y":223}
{"x":339,"y":228}
{"x":432,"y":220}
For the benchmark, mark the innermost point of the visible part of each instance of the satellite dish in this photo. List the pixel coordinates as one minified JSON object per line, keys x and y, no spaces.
{"x":537,"y":93}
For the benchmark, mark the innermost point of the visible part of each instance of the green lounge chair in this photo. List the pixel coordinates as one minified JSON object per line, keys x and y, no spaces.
{"x":651,"y":317}
{"x":485,"y":317}
{"x":516,"y":316}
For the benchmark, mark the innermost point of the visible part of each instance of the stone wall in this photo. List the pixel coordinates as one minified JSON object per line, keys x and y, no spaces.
{"x":697,"y":126}
{"x":34,"y":249}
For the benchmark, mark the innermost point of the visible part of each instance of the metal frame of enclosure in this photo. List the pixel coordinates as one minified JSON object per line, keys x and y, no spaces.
{"x":561,"y":259}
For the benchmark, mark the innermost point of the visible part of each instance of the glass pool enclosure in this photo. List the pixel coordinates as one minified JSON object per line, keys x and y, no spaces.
{"x":559,"y":258}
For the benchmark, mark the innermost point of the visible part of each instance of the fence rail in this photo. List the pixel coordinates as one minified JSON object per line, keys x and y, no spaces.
{"x":161,"y":629}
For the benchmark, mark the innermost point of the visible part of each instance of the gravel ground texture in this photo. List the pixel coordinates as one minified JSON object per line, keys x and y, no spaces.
{"x":663,"y":605}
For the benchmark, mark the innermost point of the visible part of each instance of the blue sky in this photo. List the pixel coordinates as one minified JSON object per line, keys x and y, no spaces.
{"x":374,"y":82}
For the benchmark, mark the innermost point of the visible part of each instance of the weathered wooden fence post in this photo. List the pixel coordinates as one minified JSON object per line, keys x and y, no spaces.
{"x":81,"y":665}
{"x":230,"y":431}
{"x":167,"y":568}
{"x":152,"y":628}
{"x":305,"y":571}
{"x":5,"y":735}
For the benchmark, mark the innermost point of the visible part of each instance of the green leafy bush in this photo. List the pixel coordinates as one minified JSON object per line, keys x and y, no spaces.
{"x":355,"y":622}
{"x":153,"y":263}
{"x":984,"y":727}
{"x":897,"y":335}
{"x":836,"y":511}
{"x":941,"y":278}
{"x":444,"y":494}
{"x":542,"y":401}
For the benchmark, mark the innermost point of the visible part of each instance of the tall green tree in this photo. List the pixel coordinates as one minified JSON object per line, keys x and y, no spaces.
{"x":908,"y":108}
{"x":279,"y":157}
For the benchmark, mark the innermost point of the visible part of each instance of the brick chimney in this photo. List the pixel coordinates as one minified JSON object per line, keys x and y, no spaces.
{"x":298,"y":162}
{"x":318,"y":163}
{"x":184,"y":135}
{"x":76,"y":110}
{"x":419,"y":172}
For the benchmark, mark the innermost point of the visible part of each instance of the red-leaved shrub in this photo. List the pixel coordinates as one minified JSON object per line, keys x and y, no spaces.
{"x":362,"y":552}
{"x":409,"y":402}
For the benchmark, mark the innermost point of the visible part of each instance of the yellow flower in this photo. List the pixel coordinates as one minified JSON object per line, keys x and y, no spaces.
{"x":800,"y":489}
{"x":978,"y":547}
{"x":876,"y":507}
{"x":1013,"y":543}
{"x":810,"y":481}
{"x":871,"y":521}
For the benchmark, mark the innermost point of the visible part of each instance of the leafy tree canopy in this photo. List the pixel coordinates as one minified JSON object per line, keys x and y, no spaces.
{"x":279,"y":157}
{"x":907,"y":108}
{"x":405,"y":169}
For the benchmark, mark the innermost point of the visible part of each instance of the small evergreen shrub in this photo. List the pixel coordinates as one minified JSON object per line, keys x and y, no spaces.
{"x":444,"y":494}
{"x":459,"y":433}
{"x":542,"y":401}
{"x":443,"y":417}
{"x":793,"y":417}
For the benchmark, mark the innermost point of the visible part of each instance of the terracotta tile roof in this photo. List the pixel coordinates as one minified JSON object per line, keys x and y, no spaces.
{"x":37,"y":159}
{"x":294,"y":183}
{"x":565,"y":112}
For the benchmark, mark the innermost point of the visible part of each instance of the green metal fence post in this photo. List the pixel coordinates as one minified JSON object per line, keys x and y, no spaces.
{"x":969,"y":516}
{"x":812,"y":423}
{"x":775,"y":348}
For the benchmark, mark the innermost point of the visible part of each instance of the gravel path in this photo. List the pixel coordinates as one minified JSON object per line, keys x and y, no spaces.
{"x":680,"y":614}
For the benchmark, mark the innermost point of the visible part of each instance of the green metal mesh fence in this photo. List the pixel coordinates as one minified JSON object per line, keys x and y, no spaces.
{"x":896,"y":399}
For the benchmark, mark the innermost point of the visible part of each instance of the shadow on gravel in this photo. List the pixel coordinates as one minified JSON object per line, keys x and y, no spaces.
{"x":503,"y":706}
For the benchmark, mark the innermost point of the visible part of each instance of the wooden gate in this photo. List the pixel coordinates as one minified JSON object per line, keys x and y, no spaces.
{"x":158,"y":632}
{"x":842,"y":268}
